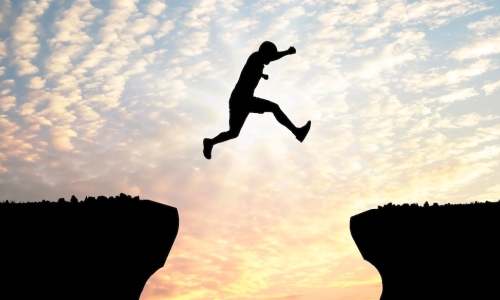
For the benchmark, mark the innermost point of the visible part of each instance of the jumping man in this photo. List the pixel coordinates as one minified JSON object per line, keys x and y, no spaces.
{"x":242,"y":101}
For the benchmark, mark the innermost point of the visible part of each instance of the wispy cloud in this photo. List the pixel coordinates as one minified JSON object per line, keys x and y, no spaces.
{"x":25,"y":33}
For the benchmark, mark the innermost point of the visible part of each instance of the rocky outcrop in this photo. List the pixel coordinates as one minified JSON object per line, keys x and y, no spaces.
{"x":94,"y":249}
{"x":432,"y":252}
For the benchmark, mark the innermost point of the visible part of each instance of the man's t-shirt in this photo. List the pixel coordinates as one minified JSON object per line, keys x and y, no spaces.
{"x":248,"y":81}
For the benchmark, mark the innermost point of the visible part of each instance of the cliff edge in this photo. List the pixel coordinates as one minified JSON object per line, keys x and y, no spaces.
{"x":432,"y":252}
{"x":104,"y":248}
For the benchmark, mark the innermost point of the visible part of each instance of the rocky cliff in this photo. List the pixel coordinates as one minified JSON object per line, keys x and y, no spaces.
{"x":432,"y":252}
{"x":104,"y":248}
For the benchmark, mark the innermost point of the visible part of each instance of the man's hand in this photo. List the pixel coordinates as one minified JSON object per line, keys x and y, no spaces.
{"x":292,"y":50}
{"x":265,"y":76}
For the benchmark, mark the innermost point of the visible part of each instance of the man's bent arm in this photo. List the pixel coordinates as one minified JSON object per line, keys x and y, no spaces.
{"x":279,"y":55}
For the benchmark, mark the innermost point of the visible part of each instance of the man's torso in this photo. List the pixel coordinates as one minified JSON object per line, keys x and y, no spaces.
{"x":249,"y":77}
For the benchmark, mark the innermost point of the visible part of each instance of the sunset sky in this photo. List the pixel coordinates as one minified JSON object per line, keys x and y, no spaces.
{"x":104,"y":97}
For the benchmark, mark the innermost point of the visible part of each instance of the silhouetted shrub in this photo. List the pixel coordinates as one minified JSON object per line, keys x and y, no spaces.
{"x":102,"y":198}
{"x":437,"y":206}
{"x":88,"y":200}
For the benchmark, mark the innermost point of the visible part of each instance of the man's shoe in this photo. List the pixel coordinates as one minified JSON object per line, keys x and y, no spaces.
{"x":207,"y":148}
{"x":303,"y":131}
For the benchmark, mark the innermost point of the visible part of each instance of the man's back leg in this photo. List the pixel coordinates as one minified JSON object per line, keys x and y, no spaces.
{"x":236,"y":120}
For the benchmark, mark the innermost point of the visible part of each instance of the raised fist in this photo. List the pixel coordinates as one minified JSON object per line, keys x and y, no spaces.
{"x":292,"y":50}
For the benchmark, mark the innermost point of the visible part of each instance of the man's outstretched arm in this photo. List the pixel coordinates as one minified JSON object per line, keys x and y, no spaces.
{"x":279,"y":55}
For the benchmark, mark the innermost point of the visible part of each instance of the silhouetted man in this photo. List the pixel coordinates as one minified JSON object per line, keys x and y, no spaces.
{"x":242,"y":101}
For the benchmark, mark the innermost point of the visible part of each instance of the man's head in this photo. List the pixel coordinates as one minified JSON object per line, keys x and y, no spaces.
{"x":268,"y":50}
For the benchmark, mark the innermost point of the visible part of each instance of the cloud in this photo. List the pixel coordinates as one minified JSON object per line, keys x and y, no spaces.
{"x":490,"y":22}
{"x":70,"y":40}
{"x":116,"y":21}
{"x":294,"y":12}
{"x":361,"y":52}
{"x":25,"y":67}
{"x":195,"y":44}
{"x":14,"y":143}
{"x":437,"y":14}
{"x":371,"y":33}
{"x":277,"y":27}
{"x":491,"y":87}
{"x":458,"y":95}
{"x":7,"y":102}
{"x":199,"y":16}
{"x":61,"y":138}
{"x":488,"y":42}
{"x":8,"y":127}
{"x":165,"y":28}
{"x":74,"y":20}
{"x":420,"y":81}
{"x":142,"y":25}
{"x":146,"y":41}
{"x":344,"y":14}
{"x":269,"y":5}
{"x":36,"y":83}
{"x":3,"y":50}
{"x":244,"y":25}
{"x":478,"y":49}
{"x":5,"y":12}
{"x":230,"y":5}
{"x":195,"y":70}
{"x":170,"y":92}
{"x":467,"y":120}
{"x":409,"y":45}
{"x":156,"y":7}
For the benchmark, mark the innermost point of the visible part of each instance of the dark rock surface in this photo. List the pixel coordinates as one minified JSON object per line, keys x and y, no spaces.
{"x":432,"y":252}
{"x":94,"y":249}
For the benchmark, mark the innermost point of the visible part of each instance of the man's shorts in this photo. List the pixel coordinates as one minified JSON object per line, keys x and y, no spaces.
{"x":249,"y":104}
{"x":241,"y":106}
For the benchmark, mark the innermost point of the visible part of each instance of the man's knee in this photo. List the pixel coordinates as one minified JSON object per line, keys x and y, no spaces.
{"x":233,"y":133}
{"x":274,"y":107}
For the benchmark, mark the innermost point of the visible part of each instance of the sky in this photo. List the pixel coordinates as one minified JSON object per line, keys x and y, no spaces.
{"x":105,"y":97}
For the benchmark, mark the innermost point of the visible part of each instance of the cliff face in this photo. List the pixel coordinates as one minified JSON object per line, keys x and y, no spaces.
{"x":98,"y":249}
{"x":437,"y":252}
